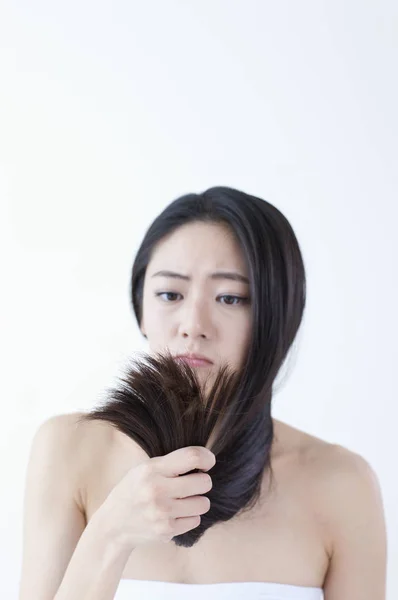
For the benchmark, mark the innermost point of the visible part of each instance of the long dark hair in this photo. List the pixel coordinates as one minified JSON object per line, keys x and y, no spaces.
{"x":244,"y":438}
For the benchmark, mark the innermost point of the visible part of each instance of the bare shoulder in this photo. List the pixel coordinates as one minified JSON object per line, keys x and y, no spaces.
{"x":340,"y":472}
{"x":349,"y":505}
{"x":322,"y":458}
{"x":103,"y":439}
{"x":79,"y":444}
{"x":89,"y":437}
{"x":346,"y":497}
{"x":75,"y":440}
{"x":66,"y":429}
{"x":340,"y":482}
{"x":100,"y":449}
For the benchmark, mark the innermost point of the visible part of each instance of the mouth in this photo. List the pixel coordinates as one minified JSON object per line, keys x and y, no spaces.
{"x":195,"y":360}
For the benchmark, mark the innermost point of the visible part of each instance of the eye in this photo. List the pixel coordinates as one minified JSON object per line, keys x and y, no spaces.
{"x":243,"y":300}
{"x":236,"y":300}
{"x":168,"y":293}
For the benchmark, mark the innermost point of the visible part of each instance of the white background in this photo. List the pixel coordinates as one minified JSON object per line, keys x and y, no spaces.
{"x":108,"y":111}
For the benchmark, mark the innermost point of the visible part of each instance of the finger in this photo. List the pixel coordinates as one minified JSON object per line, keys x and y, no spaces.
{"x":193,"y":484}
{"x":190,"y":507}
{"x":186,"y":459}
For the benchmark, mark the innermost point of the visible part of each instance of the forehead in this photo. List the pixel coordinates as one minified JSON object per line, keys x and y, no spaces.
{"x":197,"y":246}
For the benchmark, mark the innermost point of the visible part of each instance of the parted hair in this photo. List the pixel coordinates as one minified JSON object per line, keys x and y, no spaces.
{"x":158,"y":401}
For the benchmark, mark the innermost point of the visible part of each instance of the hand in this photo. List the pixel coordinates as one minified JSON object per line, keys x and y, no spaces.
{"x":155,"y":501}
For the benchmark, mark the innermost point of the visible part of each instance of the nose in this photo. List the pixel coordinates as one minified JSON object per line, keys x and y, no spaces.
{"x":194,"y":320}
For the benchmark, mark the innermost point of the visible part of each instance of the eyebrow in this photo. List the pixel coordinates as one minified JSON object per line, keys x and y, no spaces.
{"x":232,"y":275}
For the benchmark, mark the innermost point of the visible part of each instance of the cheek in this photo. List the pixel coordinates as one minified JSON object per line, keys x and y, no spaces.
{"x":158,"y":327}
{"x":237,"y":341}
{"x":238,"y":331}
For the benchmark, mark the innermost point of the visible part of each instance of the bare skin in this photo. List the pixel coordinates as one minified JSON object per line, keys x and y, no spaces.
{"x":322,"y":524}
{"x":280,"y":540}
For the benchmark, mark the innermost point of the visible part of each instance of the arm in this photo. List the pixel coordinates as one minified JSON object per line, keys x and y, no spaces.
{"x":356,"y":528}
{"x":96,"y":566}
{"x":62,"y":558}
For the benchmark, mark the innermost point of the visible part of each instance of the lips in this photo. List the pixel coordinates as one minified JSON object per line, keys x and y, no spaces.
{"x":196,"y":360}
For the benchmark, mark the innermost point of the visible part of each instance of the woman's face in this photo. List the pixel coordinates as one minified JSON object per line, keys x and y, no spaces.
{"x":197,"y":308}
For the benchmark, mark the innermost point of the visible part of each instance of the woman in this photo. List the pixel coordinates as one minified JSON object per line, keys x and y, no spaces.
{"x":218,"y":275}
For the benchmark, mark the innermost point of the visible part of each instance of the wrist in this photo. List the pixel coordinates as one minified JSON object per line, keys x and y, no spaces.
{"x":106,"y":533}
